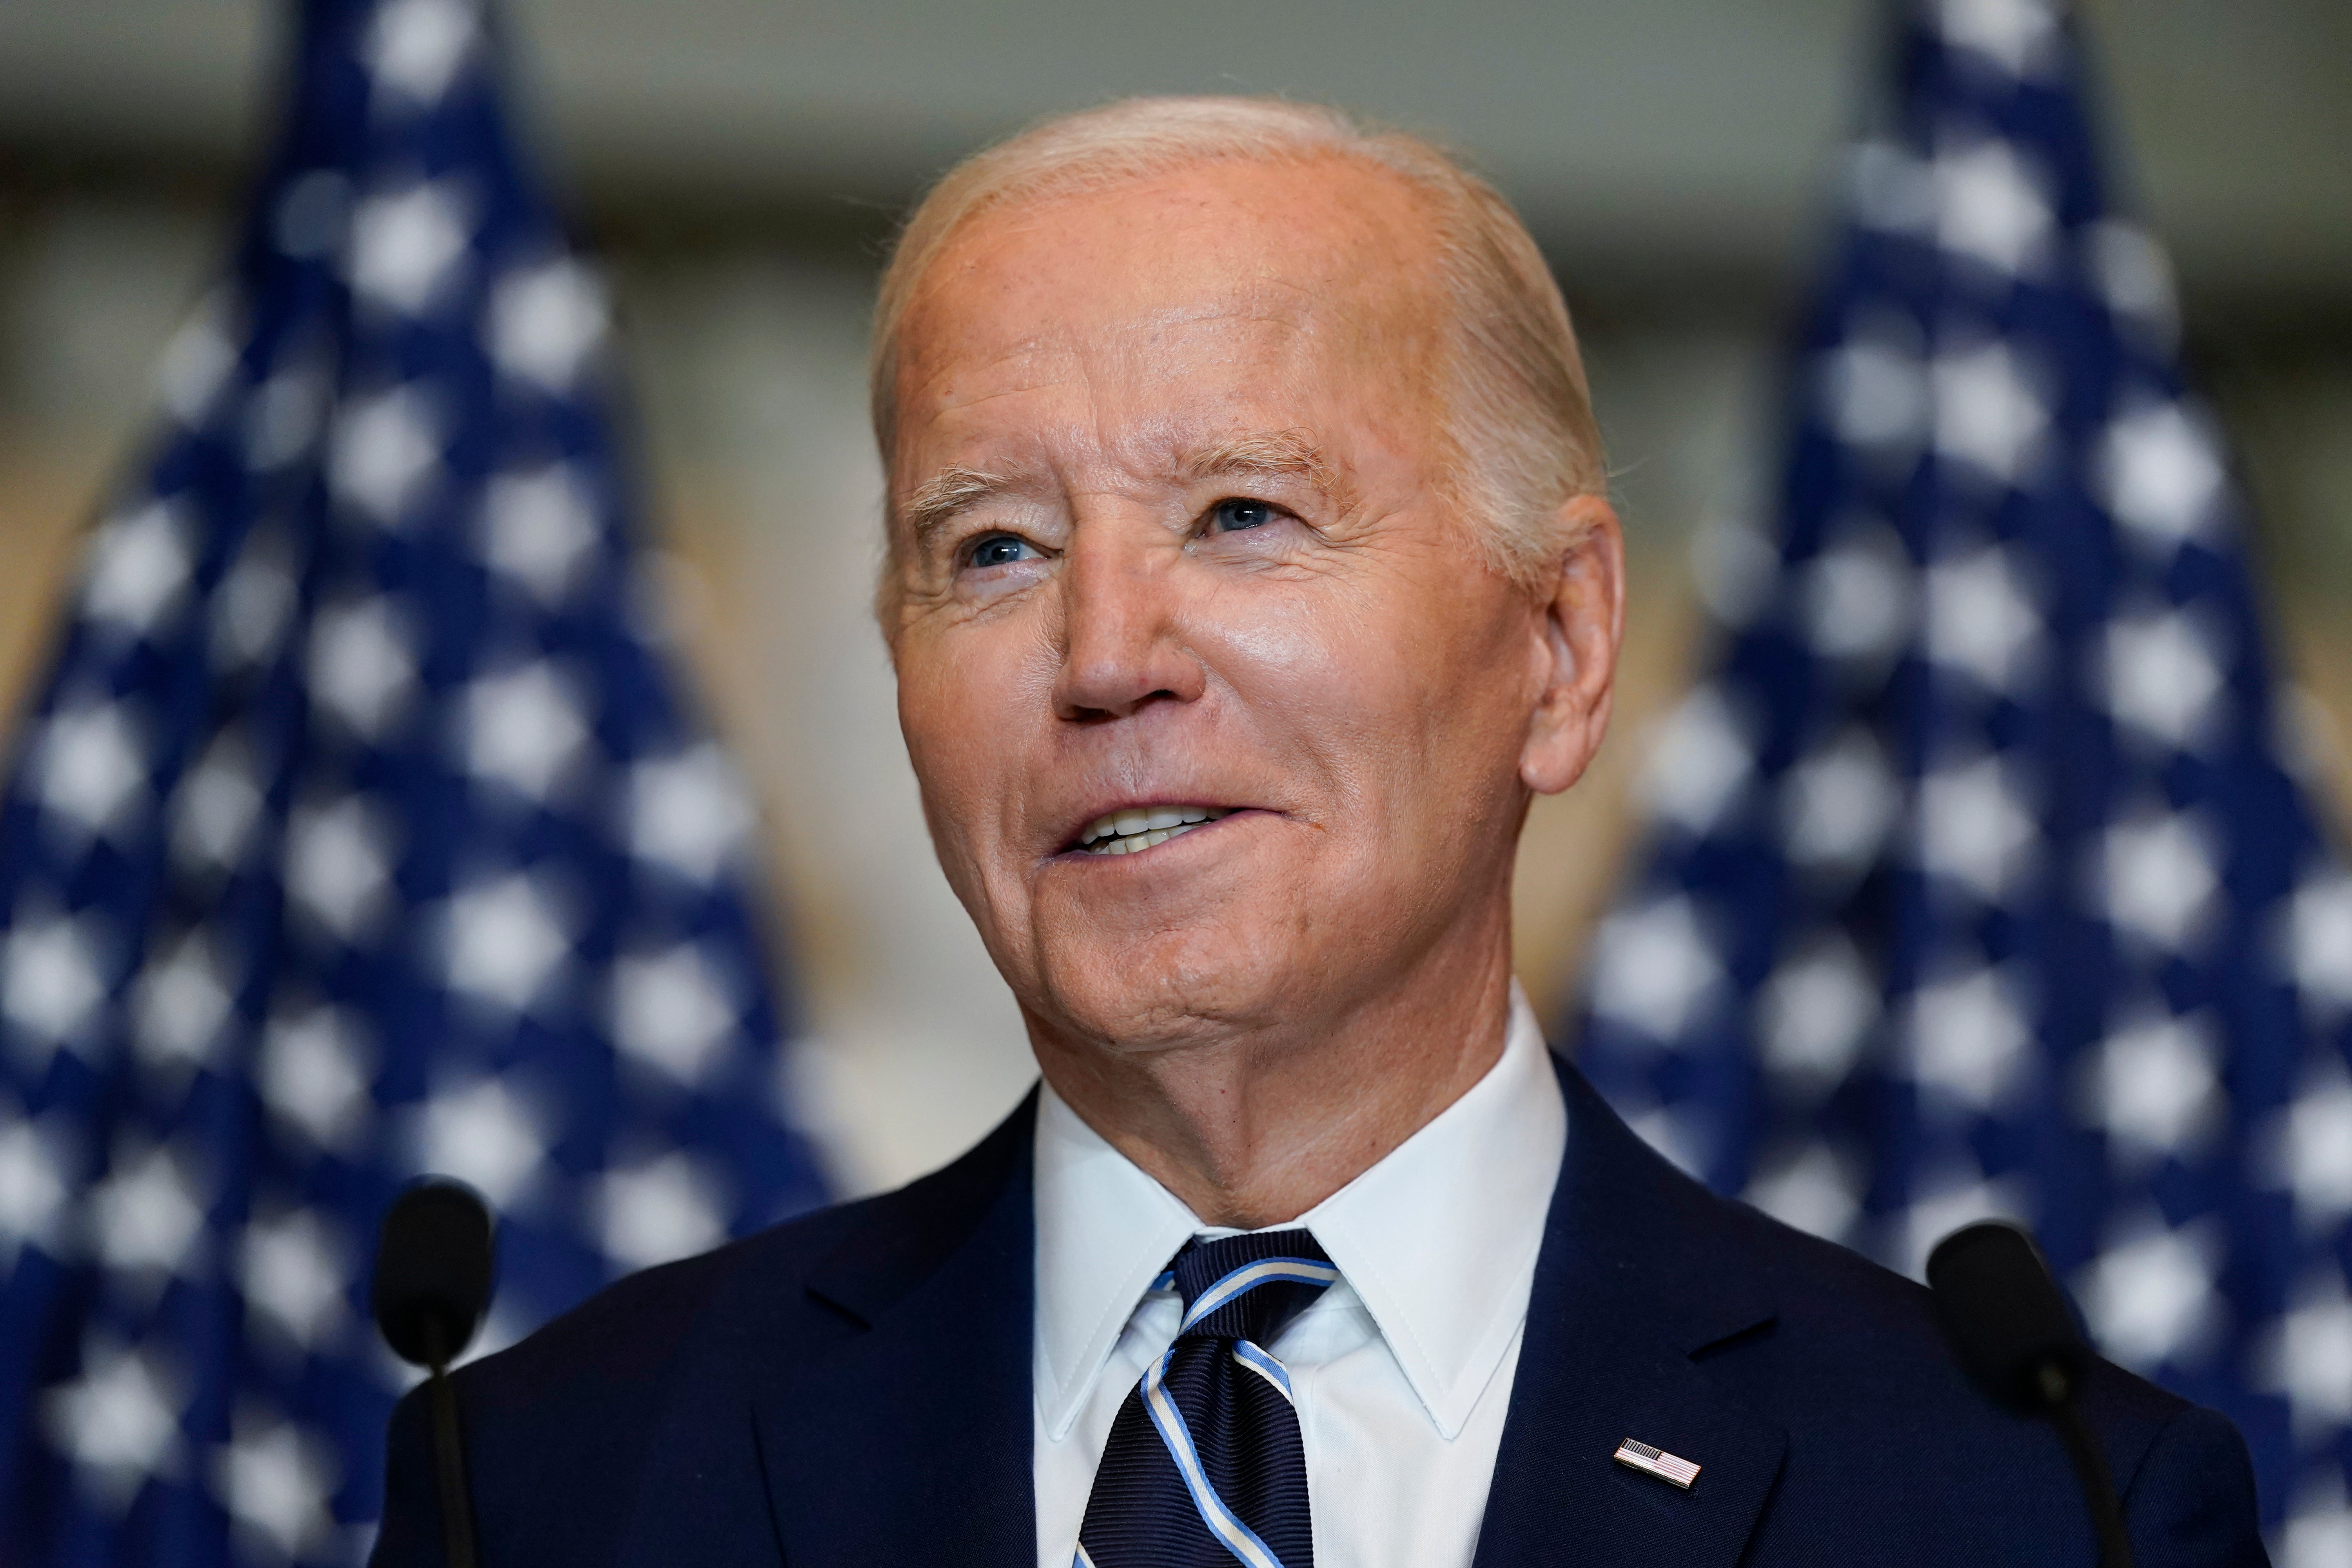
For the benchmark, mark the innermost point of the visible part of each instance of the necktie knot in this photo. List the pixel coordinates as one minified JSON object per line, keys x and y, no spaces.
{"x":1248,"y":1286}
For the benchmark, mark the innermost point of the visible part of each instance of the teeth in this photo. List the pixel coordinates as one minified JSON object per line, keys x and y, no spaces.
{"x":1132,"y":831}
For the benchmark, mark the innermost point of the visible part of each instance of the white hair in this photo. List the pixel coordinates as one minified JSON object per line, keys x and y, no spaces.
{"x":1518,"y":419}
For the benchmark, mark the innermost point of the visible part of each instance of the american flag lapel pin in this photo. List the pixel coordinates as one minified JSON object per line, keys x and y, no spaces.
{"x":1671,"y":1468}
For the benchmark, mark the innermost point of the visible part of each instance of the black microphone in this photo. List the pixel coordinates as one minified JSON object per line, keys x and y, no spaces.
{"x":432,"y":1287}
{"x":2011,"y":1328}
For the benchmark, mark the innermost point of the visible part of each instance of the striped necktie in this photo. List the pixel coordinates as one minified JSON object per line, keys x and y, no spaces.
{"x":1204,"y":1467}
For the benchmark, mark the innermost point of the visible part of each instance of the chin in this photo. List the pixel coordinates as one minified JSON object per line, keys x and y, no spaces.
{"x":1173,"y":988}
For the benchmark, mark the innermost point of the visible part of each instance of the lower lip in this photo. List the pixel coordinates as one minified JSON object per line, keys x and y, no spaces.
{"x":1089,"y":857}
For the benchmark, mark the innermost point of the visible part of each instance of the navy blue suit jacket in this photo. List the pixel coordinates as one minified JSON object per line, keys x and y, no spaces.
{"x":854,"y":1388}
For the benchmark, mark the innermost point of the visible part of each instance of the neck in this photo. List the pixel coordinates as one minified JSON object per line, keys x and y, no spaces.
{"x":1254,"y":1125}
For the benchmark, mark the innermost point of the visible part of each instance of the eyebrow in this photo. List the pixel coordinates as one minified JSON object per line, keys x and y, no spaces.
{"x":1264,"y":454}
{"x":1260,"y":454}
{"x":936,"y":501}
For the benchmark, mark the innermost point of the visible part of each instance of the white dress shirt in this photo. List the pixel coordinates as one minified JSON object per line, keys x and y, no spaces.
{"x":1402,"y":1371}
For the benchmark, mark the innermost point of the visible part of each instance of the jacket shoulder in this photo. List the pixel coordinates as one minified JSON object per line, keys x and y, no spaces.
{"x":777,"y":1295}
{"x":566,"y":1429}
{"x":1844,"y":1358}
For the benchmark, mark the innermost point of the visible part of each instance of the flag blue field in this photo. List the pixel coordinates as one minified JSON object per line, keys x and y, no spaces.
{"x":358,"y":832}
{"x":1981,"y":876}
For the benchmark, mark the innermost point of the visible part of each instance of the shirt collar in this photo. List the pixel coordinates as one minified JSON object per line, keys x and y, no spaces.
{"x":1439,"y":1238}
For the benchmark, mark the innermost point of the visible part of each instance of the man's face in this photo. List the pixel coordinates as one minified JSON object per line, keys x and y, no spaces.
{"x":1174,"y":558}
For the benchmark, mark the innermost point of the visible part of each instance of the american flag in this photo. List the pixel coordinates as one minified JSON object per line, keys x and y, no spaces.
{"x":1981,"y":877}
{"x":358,"y":832}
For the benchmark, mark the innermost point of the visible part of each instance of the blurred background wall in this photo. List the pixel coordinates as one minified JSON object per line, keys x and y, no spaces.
{"x":739,"y":163}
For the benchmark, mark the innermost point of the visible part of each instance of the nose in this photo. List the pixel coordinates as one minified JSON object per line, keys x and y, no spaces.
{"x":1122,"y":643}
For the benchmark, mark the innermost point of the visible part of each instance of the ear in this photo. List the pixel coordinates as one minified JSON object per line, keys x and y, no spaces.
{"x":1583,"y":622}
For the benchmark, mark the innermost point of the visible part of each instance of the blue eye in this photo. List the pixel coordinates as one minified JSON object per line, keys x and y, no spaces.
{"x":1238,"y":512}
{"x":1001,"y":550}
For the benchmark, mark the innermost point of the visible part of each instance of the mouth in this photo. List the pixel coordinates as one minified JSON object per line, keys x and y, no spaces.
{"x":1133,"y":829}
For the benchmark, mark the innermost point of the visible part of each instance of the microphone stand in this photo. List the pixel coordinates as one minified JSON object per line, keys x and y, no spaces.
{"x":433,"y":1265}
{"x":2004,"y":1315}
{"x":448,"y":1455}
{"x":2090,"y":1467}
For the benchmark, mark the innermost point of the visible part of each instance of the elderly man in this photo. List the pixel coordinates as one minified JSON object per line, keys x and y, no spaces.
{"x":1249,"y":572}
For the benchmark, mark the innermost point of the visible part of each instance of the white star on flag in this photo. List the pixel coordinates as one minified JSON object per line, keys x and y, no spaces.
{"x":1653,"y":967}
{"x":1990,"y":206}
{"x":2319,"y":1527}
{"x":417,"y":47}
{"x":51,"y":978}
{"x":687,"y":812}
{"x":2149,"y":1296}
{"x":506,"y":940}
{"x":546,"y":322}
{"x":672,"y":1010}
{"x":275,"y":1480}
{"x":180,"y":1002}
{"x":657,"y":1210}
{"x":92,"y":762}
{"x":255,"y":603}
{"x":216,"y":808}
{"x":2157,"y":878}
{"x":2019,"y":36}
{"x":1970,"y":1039}
{"x":2154,"y":1087}
{"x":1987,"y":413}
{"x":314,"y":1072}
{"x":147,"y":1216}
{"x":1859,"y":595}
{"x":1816,"y":1012}
{"x":138,"y":568}
{"x":119,"y":1421}
{"x":539,"y":529}
{"x":2319,"y":941}
{"x":405,"y":243}
{"x":361,"y":671}
{"x":282,"y":421}
{"x":1875,"y":389}
{"x":2134,"y":276}
{"x":1816,"y":1191}
{"x":199,"y":362}
{"x":1697,"y":763}
{"x":1982,"y":619}
{"x":1837,"y":805}
{"x":1973,"y":827}
{"x":35,"y":1165}
{"x":485,"y":1134}
{"x":2307,"y":1355}
{"x":2307,"y":1149}
{"x":2163,"y":479}
{"x":2163,"y":677}
{"x":386,"y":445}
{"x":294,"y":1268}
{"x":339,"y":865}
{"x":523,"y":729}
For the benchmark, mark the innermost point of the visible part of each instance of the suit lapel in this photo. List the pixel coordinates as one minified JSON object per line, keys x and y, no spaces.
{"x":1629,"y":1287}
{"x":911,"y":1441}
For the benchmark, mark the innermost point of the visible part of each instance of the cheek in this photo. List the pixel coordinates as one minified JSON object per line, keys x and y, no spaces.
{"x":1396,"y":692}
{"x":962,"y":700}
